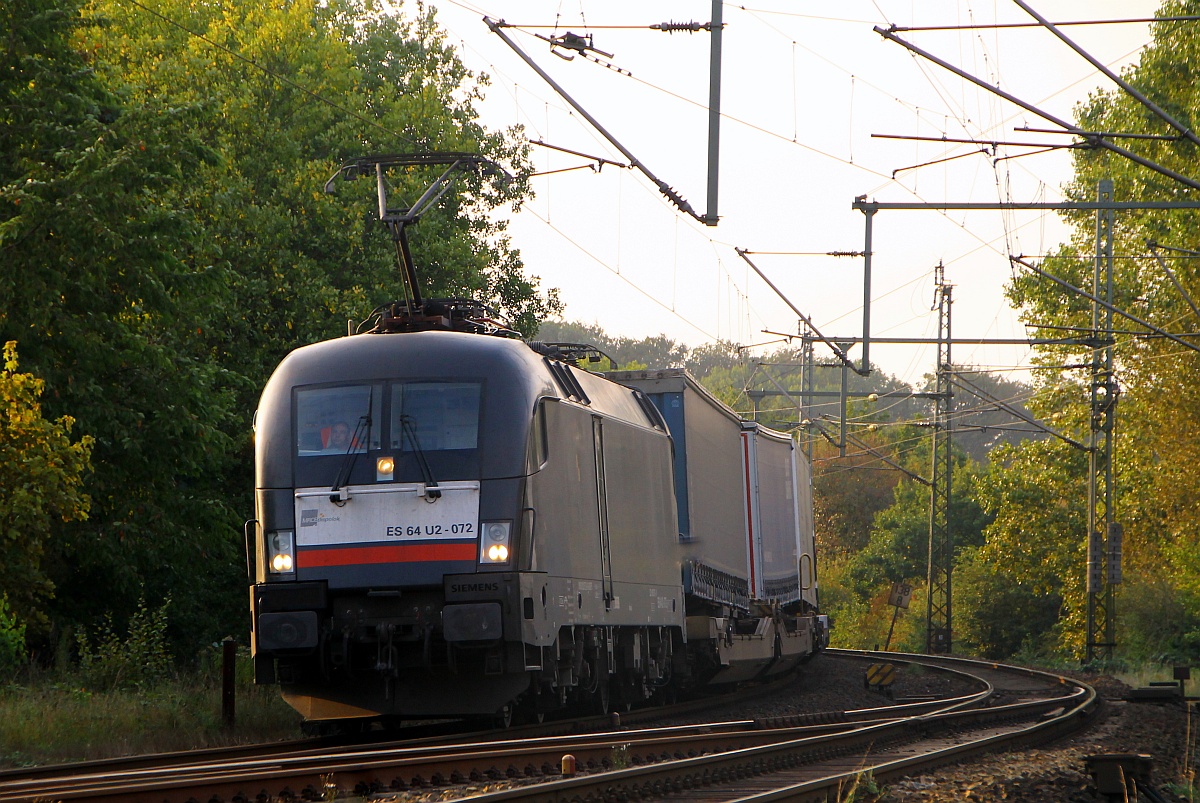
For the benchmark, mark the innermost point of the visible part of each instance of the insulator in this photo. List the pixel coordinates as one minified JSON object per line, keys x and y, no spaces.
{"x":690,"y":27}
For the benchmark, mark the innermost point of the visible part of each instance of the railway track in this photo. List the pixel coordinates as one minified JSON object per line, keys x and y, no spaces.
{"x":408,"y":735}
{"x":808,"y":757}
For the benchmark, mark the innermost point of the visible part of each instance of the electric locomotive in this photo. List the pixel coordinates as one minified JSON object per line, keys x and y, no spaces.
{"x":453,"y":522}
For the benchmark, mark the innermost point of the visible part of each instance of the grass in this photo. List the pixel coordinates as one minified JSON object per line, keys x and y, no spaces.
{"x":54,"y":718}
{"x":1143,"y":674}
{"x":862,"y":788}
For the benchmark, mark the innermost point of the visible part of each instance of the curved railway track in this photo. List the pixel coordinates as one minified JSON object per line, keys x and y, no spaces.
{"x":809,"y":757}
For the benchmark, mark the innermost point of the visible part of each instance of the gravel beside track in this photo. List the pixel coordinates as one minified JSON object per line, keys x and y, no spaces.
{"x":1057,"y":771}
{"x":1051,"y":773}
{"x":828,"y":683}
{"x":834,"y":683}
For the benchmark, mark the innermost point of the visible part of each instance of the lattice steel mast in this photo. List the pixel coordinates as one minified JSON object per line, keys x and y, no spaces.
{"x":941,"y":543}
{"x":1104,"y":533}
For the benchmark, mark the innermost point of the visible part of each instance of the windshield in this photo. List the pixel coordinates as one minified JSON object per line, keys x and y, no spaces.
{"x":443,"y":416}
{"x":430,"y":429}
{"x":338,"y":420}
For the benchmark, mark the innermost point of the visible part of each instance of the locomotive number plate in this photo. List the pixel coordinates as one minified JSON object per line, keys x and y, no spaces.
{"x":392,"y":514}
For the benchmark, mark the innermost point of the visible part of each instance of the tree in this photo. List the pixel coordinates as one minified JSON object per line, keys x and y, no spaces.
{"x":981,"y":411}
{"x":1156,"y":470}
{"x":850,"y":492}
{"x":898,"y":549}
{"x":862,"y":557}
{"x":97,"y":294}
{"x":998,"y":615}
{"x":41,"y":482}
{"x":1034,"y":550}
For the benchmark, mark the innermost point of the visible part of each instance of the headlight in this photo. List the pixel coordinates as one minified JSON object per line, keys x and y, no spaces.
{"x":494,"y":546}
{"x":384,"y":467}
{"x":280,"y":552}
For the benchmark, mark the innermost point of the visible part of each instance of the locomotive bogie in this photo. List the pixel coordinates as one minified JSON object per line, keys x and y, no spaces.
{"x":738,"y":649}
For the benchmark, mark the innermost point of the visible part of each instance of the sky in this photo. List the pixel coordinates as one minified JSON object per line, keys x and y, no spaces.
{"x":806,"y":90}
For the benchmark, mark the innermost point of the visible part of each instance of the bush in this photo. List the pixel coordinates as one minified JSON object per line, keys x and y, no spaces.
{"x":999,"y":615}
{"x":140,"y":660}
{"x":12,"y":640}
{"x":50,"y":719}
{"x":1157,"y":620}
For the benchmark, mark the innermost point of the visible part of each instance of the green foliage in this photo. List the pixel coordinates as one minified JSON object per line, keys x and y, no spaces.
{"x":97,"y":287}
{"x":12,"y":639}
{"x":618,"y":757}
{"x":877,"y":530}
{"x":1158,"y":622}
{"x":1155,"y":460}
{"x":41,"y":478}
{"x":1034,"y":547}
{"x":862,"y":788}
{"x":858,"y":623}
{"x":999,"y":614}
{"x":138,"y":659}
{"x":48,"y":718}
{"x":848,"y":494}
{"x":898,"y":549}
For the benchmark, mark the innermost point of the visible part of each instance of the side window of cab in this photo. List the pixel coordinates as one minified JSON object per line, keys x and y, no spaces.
{"x":536,"y":452}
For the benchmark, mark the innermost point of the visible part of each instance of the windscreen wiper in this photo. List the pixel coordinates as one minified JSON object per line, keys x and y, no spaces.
{"x":359,"y":442}
{"x":410,"y":432}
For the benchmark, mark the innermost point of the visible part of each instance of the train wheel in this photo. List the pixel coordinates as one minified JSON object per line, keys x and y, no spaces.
{"x":623,"y":699}
{"x":528,"y":711}
{"x":603,"y":698}
{"x":503,"y":718}
{"x":666,"y":695}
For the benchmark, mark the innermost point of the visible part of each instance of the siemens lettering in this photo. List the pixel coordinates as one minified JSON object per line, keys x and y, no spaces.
{"x":467,"y":588}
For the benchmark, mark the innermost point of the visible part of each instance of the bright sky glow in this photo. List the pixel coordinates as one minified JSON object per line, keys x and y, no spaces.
{"x":804,"y":88}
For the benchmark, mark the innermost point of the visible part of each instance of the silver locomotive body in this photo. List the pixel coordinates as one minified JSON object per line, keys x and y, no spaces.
{"x":451,"y":524}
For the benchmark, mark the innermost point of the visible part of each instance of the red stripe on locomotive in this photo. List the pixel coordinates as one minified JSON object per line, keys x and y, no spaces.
{"x":393,"y":553}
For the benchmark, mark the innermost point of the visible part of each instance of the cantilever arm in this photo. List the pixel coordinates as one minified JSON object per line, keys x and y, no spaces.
{"x":497,"y":27}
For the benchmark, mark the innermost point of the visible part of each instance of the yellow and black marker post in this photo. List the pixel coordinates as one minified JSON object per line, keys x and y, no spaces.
{"x":880,"y":677}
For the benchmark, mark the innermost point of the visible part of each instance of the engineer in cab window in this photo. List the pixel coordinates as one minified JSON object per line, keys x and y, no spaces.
{"x":339,"y":437}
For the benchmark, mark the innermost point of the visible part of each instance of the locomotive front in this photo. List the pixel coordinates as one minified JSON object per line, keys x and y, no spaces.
{"x":390,"y":474}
